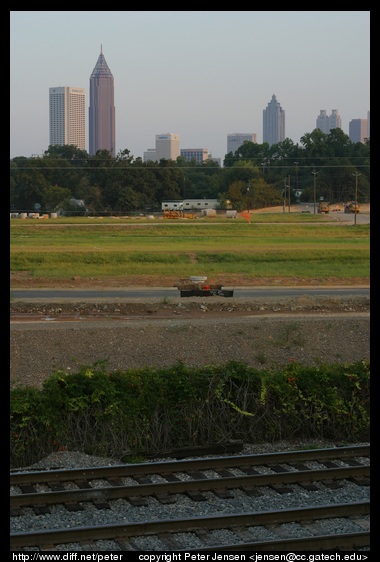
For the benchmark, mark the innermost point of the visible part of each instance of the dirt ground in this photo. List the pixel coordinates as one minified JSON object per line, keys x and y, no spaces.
{"x":263,"y":333}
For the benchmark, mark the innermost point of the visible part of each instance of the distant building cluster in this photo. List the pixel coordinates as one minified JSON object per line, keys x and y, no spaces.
{"x":67,"y":122}
{"x":168,"y":148}
{"x":326,"y":123}
{"x":67,"y":112}
{"x":358,"y":128}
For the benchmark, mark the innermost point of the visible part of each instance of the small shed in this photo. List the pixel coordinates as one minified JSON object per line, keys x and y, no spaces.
{"x":209,"y":212}
{"x":231,"y":214}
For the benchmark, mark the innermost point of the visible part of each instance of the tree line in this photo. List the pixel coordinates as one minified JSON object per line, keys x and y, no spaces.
{"x":327,"y":166}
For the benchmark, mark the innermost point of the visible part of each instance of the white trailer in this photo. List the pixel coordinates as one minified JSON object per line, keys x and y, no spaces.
{"x":189,"y":204}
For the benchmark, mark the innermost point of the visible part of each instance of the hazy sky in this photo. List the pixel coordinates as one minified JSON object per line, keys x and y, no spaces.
{"x":199,"y":74}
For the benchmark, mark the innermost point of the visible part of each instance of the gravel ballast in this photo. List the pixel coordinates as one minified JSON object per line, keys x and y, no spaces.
{"x":122,"y":512}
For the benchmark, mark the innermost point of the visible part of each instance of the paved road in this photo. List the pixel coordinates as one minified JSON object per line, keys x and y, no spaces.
{"x":338,"y":216}
{"x":172,"y":292}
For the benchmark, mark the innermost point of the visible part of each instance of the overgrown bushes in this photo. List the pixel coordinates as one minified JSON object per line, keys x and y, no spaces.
{"x":114,"y":413}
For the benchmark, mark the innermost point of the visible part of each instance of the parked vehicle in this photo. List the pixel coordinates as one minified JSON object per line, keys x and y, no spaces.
{"x":198,"y":287}
{"x":352,"y":207}
{"x":323,"y":207}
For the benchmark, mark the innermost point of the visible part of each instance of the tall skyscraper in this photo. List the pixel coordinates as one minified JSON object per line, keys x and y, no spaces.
{"x":102,"y":109}
{"x":358,"y":130}
{"x":323,"y":122}
{"x":235,"y":140}
{"x":67,"y":116}
{"x":327,"y":122}
{"x":335,"y":120}
{"x":273,"y":122}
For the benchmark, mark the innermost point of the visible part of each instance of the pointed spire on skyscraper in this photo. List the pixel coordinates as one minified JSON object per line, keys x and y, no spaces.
{"x":101,"y":68}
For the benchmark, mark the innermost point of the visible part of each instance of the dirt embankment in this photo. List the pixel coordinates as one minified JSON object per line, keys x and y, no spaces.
{"x":263,"y":333}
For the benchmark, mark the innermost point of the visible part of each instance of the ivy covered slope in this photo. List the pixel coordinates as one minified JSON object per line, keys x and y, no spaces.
{"x":111,"y":413}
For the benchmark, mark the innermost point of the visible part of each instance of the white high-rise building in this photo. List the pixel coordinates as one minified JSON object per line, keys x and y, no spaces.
{"x":167,"y":146}
{"x":67,"y":116}
{"x":235,"y":140}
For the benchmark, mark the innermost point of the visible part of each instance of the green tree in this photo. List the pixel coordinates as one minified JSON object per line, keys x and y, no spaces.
{"x":53,"y":196}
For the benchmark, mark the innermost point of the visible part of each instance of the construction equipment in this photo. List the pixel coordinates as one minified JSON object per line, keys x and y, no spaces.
{"x":352,"y":207}
{"x":323,"y":207}
{"x":173,"y":214}
{"x":198,"y":287}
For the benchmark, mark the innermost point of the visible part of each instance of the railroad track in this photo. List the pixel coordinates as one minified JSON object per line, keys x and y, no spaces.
{"x":167,"y":481}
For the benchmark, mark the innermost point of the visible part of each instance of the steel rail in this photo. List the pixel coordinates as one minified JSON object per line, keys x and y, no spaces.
{"x":343,"y":541}
{"x":180,"y":487}
{"x":123,"y":532}
{"x":210,"y":463}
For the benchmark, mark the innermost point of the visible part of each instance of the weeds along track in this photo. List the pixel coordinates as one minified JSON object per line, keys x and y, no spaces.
{"x":167,"y":483}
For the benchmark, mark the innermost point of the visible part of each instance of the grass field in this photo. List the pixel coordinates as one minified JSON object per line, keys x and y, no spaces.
{"x":295,"y":246}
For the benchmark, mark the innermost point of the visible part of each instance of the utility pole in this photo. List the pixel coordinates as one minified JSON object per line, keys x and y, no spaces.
{"x":356,"y":174}
{"x":315,"y":191}
{"x":296,"y":165}
{"x":249,"y":195}
{"x":266,"y":162}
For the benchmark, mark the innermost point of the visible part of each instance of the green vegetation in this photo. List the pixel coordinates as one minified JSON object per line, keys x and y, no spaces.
{"x":60,"y":251}
{"x":151,"y":410}
{"x":254,"y":177}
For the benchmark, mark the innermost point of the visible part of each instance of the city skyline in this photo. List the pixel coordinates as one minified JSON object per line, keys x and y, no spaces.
{"x":201,"y":75}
